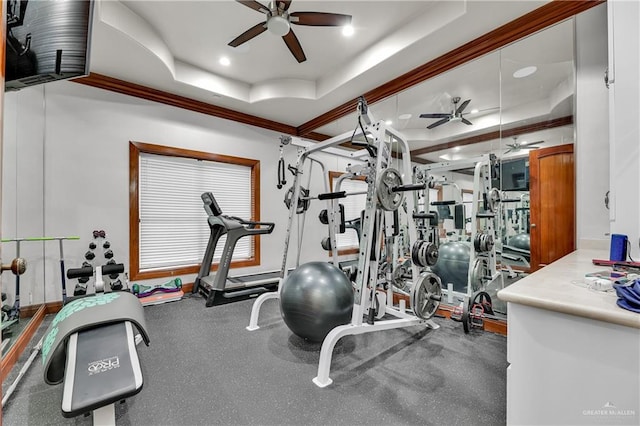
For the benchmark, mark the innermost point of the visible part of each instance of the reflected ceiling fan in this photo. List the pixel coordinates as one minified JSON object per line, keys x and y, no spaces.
{"x":279,"y":22}
{"x":456,"y":114}
{"x":518,"y":146}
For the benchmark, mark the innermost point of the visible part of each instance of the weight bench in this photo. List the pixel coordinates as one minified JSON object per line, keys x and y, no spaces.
{"x":91,"y":347}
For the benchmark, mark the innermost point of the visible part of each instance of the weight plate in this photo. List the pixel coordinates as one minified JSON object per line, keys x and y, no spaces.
{"x":426,"y":295}
{"x":401,"y":275}
{"x":478,"y":273}
{"x":494,"y":199}
{"x":424,"y":253}
{"x":389,"y":200}
{"x":303,"y":204}
{"x":484,"y":299}
{"x":431,"y":256}
{"x":483,"y":242}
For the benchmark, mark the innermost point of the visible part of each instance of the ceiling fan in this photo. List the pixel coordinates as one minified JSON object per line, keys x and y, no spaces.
{"x":279,"y":22}
{"x":456,"y":114}
{"x":517,"y":146}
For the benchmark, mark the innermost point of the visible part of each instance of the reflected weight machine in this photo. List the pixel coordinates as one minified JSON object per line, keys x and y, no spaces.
{"x":482,"y":270}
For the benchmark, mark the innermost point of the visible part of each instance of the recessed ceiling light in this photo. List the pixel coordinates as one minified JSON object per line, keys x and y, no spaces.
{"x":348,"y":30}
{"x":388,"y":122}
{"x":456,"y":148}
{"x":404,"y":116}
{"x":225,"y":61}
{"x":525,"y":72}
{"x":474,"y":111}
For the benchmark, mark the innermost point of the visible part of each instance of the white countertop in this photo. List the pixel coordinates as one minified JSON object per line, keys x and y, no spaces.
{"x":553,"y":288}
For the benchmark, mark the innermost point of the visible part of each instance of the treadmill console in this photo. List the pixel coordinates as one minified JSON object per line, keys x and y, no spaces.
{"x":210,"y":205}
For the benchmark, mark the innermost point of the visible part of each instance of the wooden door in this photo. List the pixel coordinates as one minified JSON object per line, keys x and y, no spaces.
{"x":553,"y":206}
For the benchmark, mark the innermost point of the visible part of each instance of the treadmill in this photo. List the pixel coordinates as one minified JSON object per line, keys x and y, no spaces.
{"x":220,"y":288}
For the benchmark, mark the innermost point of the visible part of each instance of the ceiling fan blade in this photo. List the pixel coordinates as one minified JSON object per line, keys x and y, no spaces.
{"x":249,"y":34}
{"x":255,"y":5}
{"x":438,"y":123}
{"x":532,"y":143}
{"x":320,"y":19}
{"x":294,"y":46}
{"x":465,"y":121}
{"x":463,"y":106}
{"x":284,"y":5}
{"x":508,"y":151}
{"x":435,"y":115}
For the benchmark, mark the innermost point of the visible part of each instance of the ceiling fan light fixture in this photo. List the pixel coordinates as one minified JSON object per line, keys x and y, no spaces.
{"x":224,"y":61}
{"x":525,"y":72}
{"x":278,"y":25}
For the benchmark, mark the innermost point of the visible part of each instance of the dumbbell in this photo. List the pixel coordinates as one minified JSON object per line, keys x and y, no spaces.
{"x":92,"y":245}
{"x":114,"y":275}
{"x":116,"y":285}
{"x":89,"y":255}
{"x":108,"y":254}
{"x":106,"y":245}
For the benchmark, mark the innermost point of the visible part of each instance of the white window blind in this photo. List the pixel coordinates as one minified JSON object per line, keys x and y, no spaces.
{"x":353,"y":205}
{"x":173,"y":224}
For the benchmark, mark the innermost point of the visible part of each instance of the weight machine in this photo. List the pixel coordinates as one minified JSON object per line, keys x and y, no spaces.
{"x":482,"y":269}
{"x":373,"y":295}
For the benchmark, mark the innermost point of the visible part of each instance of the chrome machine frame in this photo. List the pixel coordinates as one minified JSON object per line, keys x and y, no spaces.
{"x":366,"y":294}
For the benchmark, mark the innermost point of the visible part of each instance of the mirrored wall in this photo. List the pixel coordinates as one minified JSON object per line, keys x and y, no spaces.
{"x":510,"y":106}
{"x":23,"y":215}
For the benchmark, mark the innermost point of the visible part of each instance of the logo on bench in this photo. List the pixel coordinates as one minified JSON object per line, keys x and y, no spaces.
{"x":103,"y":365}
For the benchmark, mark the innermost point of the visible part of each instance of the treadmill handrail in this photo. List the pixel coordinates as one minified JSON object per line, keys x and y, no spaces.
{"x":250,"y":225}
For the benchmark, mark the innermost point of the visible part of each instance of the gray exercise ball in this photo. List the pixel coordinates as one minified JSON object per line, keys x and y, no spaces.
{"x":315,"y":298}
{"x":453,"y":264}
{"x":521,"y":241}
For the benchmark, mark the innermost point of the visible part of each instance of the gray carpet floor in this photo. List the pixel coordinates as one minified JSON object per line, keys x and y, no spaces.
{"x":204,"y":368}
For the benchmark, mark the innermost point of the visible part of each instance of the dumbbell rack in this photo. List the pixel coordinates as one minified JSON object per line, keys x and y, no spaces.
{"x":383,"y":198}
{"x":103,"y":245}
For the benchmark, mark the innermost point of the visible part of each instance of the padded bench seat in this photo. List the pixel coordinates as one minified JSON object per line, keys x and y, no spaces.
{"x":102,"y":368}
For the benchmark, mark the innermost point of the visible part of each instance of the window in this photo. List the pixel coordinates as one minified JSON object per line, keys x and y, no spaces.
{"x":167,"y":221}
{"x":348,"y":242}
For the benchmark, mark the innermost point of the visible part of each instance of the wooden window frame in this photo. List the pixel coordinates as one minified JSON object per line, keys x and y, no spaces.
{"x":135,"y":149}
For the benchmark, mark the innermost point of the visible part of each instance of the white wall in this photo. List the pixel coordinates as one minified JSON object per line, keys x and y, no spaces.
{"x":86,"y":172}
{"x":592,"y":128}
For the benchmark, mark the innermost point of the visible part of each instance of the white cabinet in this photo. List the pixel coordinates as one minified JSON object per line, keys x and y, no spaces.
{"x":624,"y":118}
{"x":574,"y":355}
{"x":570,"y":370}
